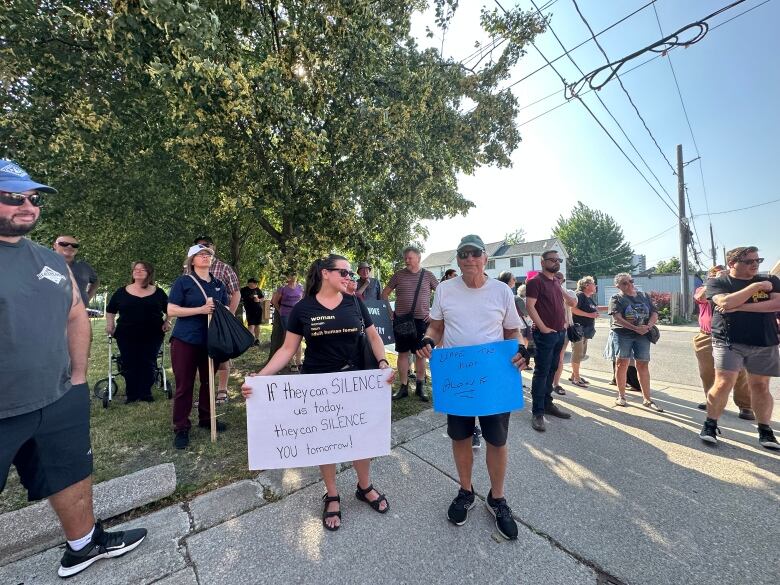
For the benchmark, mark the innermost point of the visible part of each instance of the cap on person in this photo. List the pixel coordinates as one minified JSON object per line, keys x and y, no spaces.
{"x":206,"y":239}
{"x":14,"y":179}
{"x":197,"y":248}
{"x":471,"y":241}
{"x":364,"y":265}
{"x":252,"y":280}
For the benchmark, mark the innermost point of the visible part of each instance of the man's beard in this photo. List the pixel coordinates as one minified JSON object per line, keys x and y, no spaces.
{"x":10,"y":230}
{"x":552,"y":270}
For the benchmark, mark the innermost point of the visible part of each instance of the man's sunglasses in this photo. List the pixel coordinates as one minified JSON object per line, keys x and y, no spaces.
{"x":463,"y":254}
{"x":752,"y":261}
{"x":625,"y":282}
{"x":343,"y":272}
{"x":17,"y":199}
{"x":73,"y":245}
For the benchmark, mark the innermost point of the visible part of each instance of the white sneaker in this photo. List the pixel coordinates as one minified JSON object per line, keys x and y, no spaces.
{"x":621,"y":401}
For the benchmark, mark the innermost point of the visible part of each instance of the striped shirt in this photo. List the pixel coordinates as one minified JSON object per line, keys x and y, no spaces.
{"x":404,"y":283}
{"x":226,"y":274}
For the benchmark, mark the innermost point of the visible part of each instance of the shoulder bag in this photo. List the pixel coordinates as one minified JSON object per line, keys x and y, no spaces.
{"x":404,"y":327}
{"x":365,"y":358}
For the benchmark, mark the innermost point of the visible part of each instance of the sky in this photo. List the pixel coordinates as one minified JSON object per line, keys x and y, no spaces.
{"x":729,"y":83}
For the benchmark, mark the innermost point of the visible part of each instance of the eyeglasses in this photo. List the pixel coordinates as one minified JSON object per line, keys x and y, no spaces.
{"x":557,"y":260}
{"x":73,"y":245}
{"x":17,"y":199}
{"x":343,"y":272}
{"x":755,"y":261}
{"x":463,"y":254}
{"x":625,"y":282}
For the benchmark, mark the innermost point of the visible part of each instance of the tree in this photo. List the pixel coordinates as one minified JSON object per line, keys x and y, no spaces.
{"x":594,"y":242}
{"x":515,"y":237}
{"x":672,"y":266}
{"x":286,"y":128}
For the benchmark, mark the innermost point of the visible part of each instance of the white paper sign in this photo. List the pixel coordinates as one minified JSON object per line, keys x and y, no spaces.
{"x":313,"y":419}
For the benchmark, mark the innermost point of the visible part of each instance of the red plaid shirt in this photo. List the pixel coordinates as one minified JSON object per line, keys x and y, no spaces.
{"x":226,"y":274}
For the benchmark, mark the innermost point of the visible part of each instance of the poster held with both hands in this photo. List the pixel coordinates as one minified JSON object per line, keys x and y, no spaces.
{"x":316,"y":419}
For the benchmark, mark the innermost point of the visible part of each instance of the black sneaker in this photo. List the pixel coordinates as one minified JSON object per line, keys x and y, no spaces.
{"x":403,"y":392}
{"x":104,"y":545}
{"x":181,"y":440}
{"x":475,"y":442}
{"x":418,"y":390}
{"x":221,"y":427}
{"x":505,"y":524}
{"x":766,"y":438}
{"x":709,"y":431}
{"x":458,"y":511}
{"x":553,"y":410}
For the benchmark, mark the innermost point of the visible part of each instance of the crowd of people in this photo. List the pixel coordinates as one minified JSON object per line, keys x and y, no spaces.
{"x":44,"y":376}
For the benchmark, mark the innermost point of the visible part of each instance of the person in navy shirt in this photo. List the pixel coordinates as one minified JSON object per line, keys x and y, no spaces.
{"x":191,"y":300}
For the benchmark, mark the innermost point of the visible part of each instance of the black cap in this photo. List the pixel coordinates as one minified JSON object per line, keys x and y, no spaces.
{"x":252,"y":280}
{"x":206,"y":239}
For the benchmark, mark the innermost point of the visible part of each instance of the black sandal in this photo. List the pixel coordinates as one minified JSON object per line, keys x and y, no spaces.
{"x":360,"y":494}
{"x":325,"y":514}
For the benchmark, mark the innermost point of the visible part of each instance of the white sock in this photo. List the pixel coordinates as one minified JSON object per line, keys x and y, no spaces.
{"x":80,"y":543}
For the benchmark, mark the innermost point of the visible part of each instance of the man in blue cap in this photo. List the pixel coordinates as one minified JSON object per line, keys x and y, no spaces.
{"x":44,"y":414}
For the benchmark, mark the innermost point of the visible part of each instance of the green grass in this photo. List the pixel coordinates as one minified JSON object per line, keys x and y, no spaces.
{"x":130,"y":437}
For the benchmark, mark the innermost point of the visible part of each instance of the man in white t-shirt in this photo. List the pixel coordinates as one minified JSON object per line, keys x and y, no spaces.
{"x":470,"y":310}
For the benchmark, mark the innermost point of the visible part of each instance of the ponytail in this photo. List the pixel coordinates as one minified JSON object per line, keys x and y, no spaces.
{"x":314,"y":274}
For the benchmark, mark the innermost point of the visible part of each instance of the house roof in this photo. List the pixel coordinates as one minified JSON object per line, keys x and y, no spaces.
{"x":498,"y":250}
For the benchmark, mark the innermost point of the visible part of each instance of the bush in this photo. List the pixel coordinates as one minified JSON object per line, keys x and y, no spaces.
{"x":661,"y":300}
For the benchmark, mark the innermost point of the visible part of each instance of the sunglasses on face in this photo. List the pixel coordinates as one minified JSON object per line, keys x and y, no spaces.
{"x":625,"y":282}
{"x":556,"y":260}
{"x":755,"y":261}
{"x":463,"y":254}
{"x":73,"y":245}
{"x":17,"y":199}
{"x":343,"y":272}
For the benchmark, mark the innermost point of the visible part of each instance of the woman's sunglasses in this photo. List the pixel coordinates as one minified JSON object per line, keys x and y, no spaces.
{"x":17,"y":199}
{"x":343,"y":272}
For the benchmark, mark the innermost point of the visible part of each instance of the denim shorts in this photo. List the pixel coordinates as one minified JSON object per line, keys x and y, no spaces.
{"x":631,"y":346}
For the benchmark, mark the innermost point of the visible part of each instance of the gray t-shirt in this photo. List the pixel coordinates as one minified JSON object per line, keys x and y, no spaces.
{"x":84,"y":275}
{"x":35,"y":299}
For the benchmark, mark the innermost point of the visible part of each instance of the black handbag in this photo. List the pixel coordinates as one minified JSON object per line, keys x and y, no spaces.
{"x":365,"y":358}
{"x":404,"y":326}
{"x":653,"y":335}
{"x":575,"y":332}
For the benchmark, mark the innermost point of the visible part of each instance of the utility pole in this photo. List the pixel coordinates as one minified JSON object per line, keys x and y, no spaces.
{"x":683,"y":235}
{"x":712,"y":245}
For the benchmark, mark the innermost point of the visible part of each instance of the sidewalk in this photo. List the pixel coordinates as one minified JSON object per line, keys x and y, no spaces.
{"x":611,"y":496}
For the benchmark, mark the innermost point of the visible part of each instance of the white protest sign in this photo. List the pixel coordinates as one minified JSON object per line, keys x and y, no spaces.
{"x":314,"y":419}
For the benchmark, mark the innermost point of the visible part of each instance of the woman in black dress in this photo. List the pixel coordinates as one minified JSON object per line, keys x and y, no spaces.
{"x":139,"y":333}
{"x":330,"y":349}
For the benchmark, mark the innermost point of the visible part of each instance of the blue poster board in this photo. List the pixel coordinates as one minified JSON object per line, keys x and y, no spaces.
{"x":476,"y":380}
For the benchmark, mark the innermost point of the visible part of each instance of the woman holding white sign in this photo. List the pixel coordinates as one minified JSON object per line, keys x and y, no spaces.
{"x":330,"y":321}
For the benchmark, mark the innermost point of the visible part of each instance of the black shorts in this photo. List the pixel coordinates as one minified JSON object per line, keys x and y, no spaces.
{"x":404,"y":346}
{"x":495,"y":427}
{"x":254,"y":318}
{"x":50,"y":447}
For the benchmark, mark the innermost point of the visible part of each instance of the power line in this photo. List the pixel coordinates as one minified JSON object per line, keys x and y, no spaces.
{"x":737,"y":209}
{"x":623,"y":87}
{"x":614,"y":119}
{"x":635,"y":67}
{"x":661,"y":46}
{"x":650,"y":239}
{"x":597,"y":120}
{"x":549,"y":63}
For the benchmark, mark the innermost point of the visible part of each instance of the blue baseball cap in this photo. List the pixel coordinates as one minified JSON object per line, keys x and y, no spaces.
{"x":14,"y":179}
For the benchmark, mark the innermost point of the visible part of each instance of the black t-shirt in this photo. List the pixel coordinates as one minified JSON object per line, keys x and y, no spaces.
{"x":637,"y":310}
{"x":331,"y":335}
{"x":248,"y":296}
{"x":588,"y":305}
{"x":139,"y":317}
{"x":758,"y":329}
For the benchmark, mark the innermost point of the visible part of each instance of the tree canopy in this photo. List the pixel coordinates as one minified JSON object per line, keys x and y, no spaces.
{"x":283,"y":129}
{"x":594,"y":242}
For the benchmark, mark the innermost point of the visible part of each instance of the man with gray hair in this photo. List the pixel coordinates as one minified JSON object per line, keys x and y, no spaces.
{"x":744,"y":335}
{"x":413,"y":286}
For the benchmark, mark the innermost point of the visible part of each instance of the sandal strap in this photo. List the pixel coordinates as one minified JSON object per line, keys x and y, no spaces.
{"x":328,"y":499}
{"x":367,"y":490}
{"x":332,"y":515}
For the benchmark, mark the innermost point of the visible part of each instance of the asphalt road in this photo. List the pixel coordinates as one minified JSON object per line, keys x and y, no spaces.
{"x":671,"y":360}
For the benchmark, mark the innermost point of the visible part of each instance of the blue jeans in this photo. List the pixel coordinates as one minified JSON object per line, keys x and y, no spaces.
{"x":548,"y":351}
